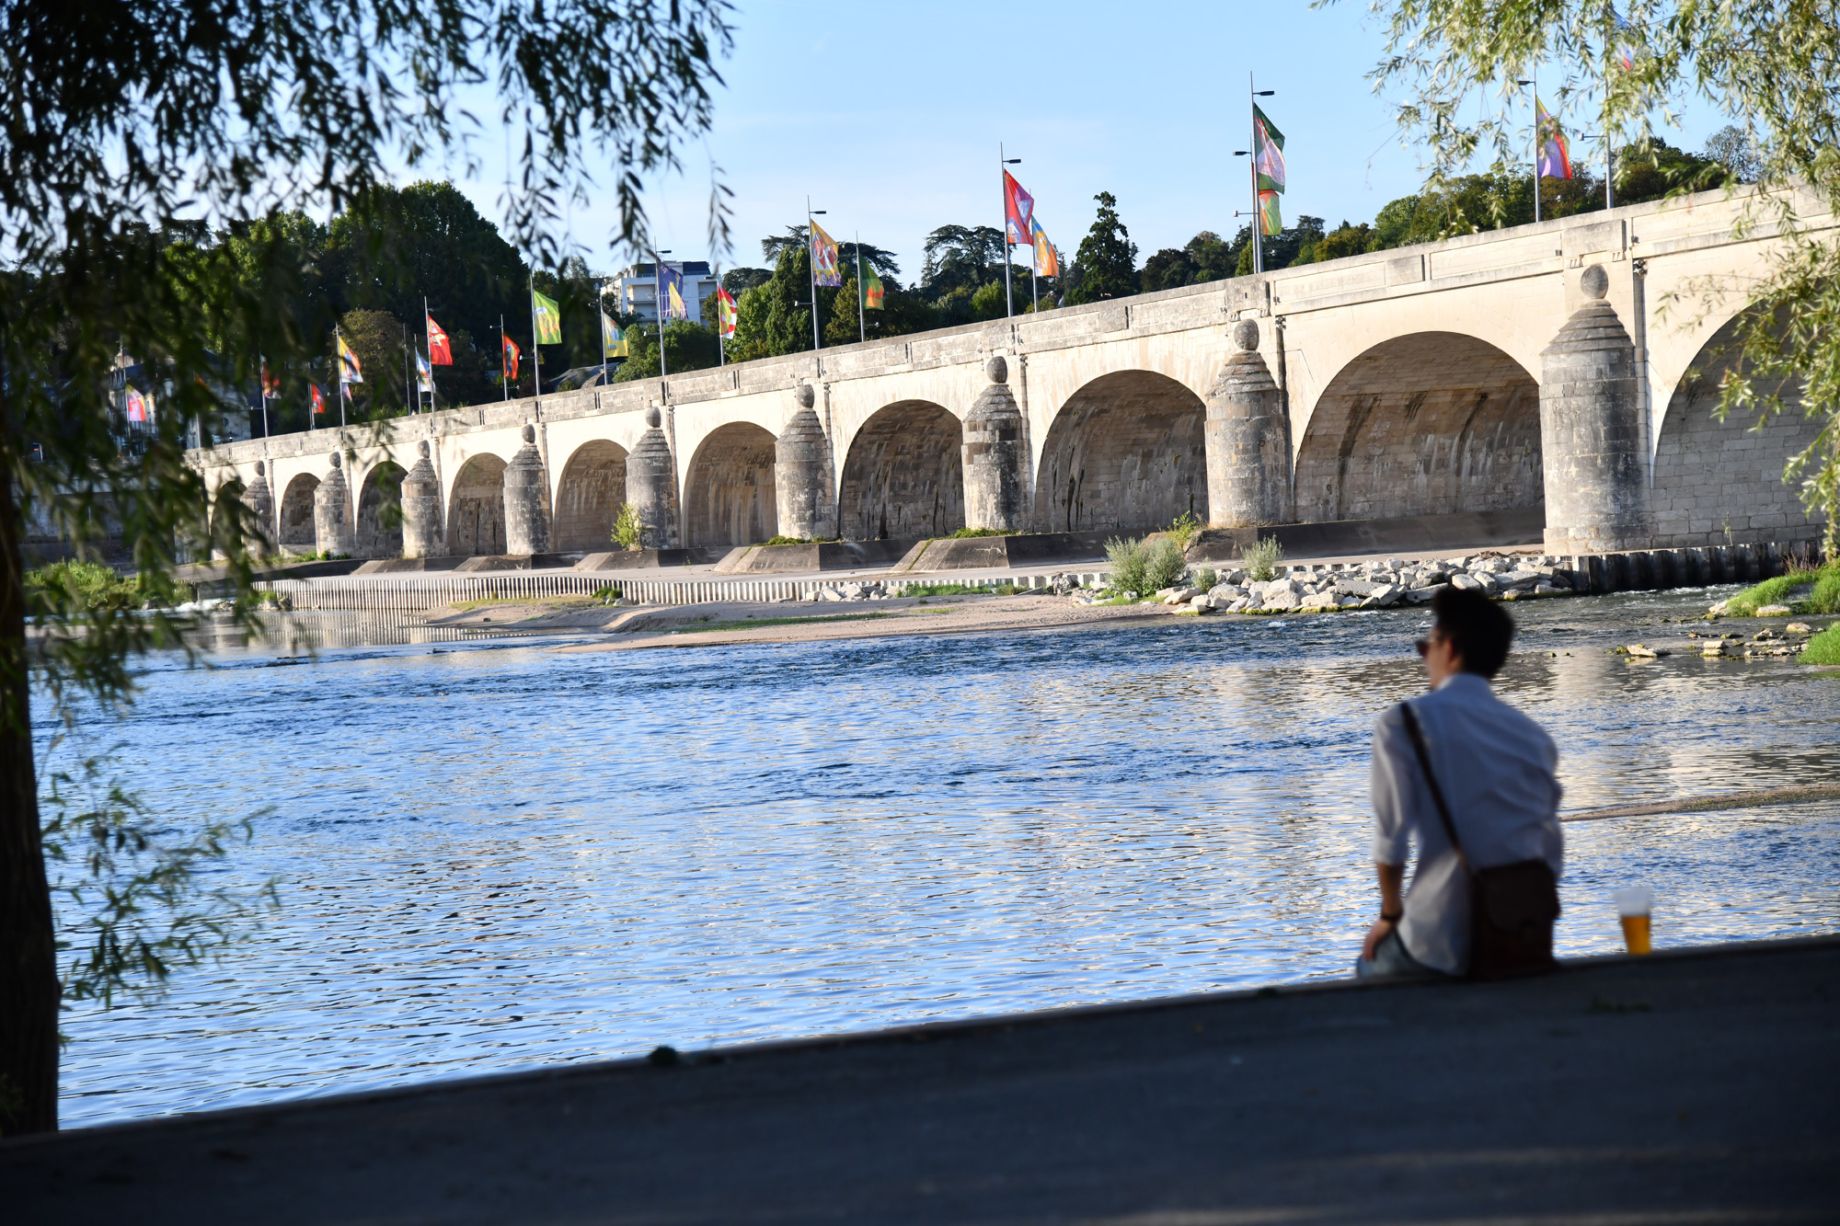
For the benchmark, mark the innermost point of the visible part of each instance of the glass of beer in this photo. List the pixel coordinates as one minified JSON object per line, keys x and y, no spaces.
{"x":1633,"y":904}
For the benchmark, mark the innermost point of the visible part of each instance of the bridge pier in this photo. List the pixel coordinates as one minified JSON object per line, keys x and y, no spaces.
{"x":1247,"y":441}
{"x":526,"y":516}
{"x":651,"y":485}
{"x":802,"y":472}
{"x":994,"y":455}
{"x":421,"y":509}
{"x":261,"y":503}
{"x":1592,"y":439}
{"x":331,"y":513}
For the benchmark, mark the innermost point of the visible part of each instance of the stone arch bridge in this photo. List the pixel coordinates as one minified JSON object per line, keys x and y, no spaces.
{"x":1562,"y":372}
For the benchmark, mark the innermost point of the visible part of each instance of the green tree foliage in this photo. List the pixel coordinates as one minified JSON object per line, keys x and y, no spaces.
{"x":1769,"y":65}
{"x":1107,"y":260}
{"x":392,"y":247}
{"x":738,"y":281}
{"x":1345,"y":240}
{"x":377,"y":337}
{"x":118,"y":135}
{"x":688,"y":346}
{"x":769,"y":319}
{"x":842,"y":326}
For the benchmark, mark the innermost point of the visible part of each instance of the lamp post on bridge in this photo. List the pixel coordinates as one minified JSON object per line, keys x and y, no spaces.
{"x":1258,"y":245}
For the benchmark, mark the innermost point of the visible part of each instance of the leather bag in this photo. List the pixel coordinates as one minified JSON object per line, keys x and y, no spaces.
{"x":1512,"y":907}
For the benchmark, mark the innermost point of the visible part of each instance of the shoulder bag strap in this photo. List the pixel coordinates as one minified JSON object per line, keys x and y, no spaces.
{"x":1437,"y":793}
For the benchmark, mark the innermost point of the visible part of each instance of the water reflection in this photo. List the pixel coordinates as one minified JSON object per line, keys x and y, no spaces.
{"x":495,"y":855}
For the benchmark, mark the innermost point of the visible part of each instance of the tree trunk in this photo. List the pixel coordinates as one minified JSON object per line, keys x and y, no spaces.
{"x":28,"y":960}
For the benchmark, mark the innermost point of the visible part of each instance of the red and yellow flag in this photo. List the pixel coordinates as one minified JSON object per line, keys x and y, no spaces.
{"x":512,"y":354}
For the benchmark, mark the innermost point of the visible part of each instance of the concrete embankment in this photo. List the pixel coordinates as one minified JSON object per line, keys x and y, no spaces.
{"x":1694,"y":1087}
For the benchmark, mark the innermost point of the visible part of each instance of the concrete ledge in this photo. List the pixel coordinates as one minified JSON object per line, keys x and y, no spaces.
{"x":995,"y":552}
{"x":809,"y":558}
{"x":1697,"y":1085}
{"x":1411,"y":534}
{"x":646,"y":559}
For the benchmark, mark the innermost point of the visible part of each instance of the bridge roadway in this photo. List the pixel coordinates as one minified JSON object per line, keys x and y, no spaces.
{"x":1566,"y":369}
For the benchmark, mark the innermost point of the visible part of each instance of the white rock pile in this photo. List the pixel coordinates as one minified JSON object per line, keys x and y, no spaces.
{"x":1379,"y":584}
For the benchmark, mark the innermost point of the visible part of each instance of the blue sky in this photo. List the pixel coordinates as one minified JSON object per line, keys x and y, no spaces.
{"x":889,"y":115}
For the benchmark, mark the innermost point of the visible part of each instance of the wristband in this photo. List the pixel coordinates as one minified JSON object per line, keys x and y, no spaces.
{"x":1394,"y":918}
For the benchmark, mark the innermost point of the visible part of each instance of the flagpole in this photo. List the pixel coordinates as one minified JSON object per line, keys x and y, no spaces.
{"x":536,"y":344}
{"x":338,"y":366}
{"x":1536,"y":141}
{"x":1258,"y":218}
{"x":408,"y":370}
{"x":600,"y":301}
{"x":811,"y":258}
{"x":1609,"y":168}
{"x":1009,"y":306}
{"x":862,"y":326}
{"x":1034,"y":288}
{"x":263,"y":376}
{"x":658,"y":298}
{"x":428,"y":348}
{"x":504,"y":376}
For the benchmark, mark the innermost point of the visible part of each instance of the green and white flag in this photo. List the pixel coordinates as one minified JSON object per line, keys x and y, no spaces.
{"x":548,"y":316}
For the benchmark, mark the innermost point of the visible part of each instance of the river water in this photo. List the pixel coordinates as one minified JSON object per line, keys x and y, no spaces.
{"x":495,"y":855}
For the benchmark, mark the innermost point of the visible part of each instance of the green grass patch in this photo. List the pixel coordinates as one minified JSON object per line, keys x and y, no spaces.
{"x":1823,"y":648}
{"x":744,"y":623}
{"x":77,"y":589}
{"x":1822,"y":596}
{"x":969,"y":534}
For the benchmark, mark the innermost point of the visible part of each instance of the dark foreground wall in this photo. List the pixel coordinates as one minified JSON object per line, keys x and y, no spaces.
{"x":1683,"y":1088}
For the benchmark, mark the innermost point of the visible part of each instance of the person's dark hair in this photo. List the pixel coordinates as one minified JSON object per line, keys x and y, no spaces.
{"x":1478,"y":629}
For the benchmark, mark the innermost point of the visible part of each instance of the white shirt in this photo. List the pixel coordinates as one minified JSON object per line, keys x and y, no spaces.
{"x":1496,"y":767}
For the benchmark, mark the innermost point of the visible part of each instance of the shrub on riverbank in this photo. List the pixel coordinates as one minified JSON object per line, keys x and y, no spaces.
{"x":1144,"y":566}
{"x":1262,"y":558}
{"x":1823,"y":648}
{"x":1819,"y":592}
{"x":80,"y":588}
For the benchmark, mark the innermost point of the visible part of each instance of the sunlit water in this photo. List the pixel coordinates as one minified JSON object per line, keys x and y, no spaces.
{"x":493,"y":856}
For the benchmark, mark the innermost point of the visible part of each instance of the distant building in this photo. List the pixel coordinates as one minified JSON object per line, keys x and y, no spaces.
{"x":636,"y":289}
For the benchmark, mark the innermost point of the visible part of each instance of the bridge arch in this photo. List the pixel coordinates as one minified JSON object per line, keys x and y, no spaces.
{"x":377,"y":528}
{"x":728,"y":488}
{"x":903,"y":477}
{"x":1432,"y":423}
{"x":588,"y":496}
{"x":1125,"y":453}
{"x":476,"y":508}
{"x":295,"y":530}
{"x":1718,"y":481}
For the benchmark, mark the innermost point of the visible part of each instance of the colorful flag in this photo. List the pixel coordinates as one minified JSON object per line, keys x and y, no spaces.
{"x":873,"y":291}
{"x":440,"y":351}
{"x":824,"y":261}
{"x":613,"y":341}
{"x":1047,"y":259}
{"x":423,"y":375}
{"x":271,"y":382}
{"x":319,"y":401}
{"x":1625,"y":41}
{"x":671,"y":292}
{"x":1555,"y":155}
{"x":728,"y":313}
{"x":135,"y":406}
{"x":349,"y":369}
{"x":1267,"y":151}
{"x":1018,"y":212}
{"x":511,"y":355}
{"x":1269,"y":221}
{"x":548,"y":315}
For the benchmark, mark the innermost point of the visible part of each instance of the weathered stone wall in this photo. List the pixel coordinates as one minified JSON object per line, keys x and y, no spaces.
{"x":729,"y":494}
{"x":588,"y":496}
{"x":1422,"y":425}
{"x":476,"y":508}
{"x":378,"y":531}
{"x":1722,"y":482}
{"x":296,"y":515}
{"x":904,"y":477}
{"x":1125,"y":454}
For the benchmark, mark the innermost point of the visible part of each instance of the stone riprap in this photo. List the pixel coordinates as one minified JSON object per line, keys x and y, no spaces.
{"x":1379,"y":584}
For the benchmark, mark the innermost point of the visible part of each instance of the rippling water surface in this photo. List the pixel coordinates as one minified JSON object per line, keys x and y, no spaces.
{"x":492,"y":856}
